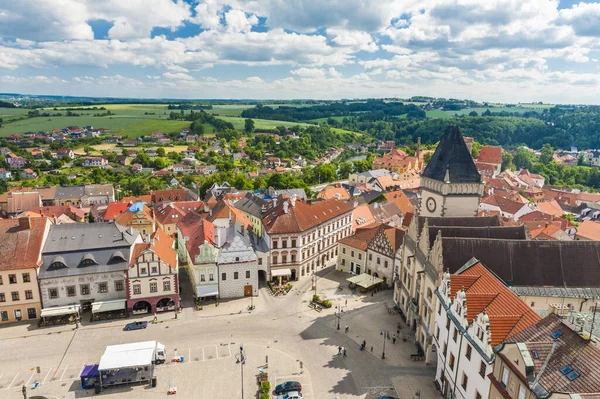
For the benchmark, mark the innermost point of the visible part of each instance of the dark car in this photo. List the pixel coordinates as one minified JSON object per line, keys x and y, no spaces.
{"x":288,"y":386}
{"x":136,"y":325}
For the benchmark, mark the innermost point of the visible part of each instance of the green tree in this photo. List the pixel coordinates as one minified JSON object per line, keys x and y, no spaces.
{"x":473,"y":113}
{"x":344,"y":170}
{"x":486,"y":113}
{"x":523,"y":159}
{"x":507,"y":161}
{"x":3,"y":186}
{"x":427,"y":157}
{"x":160,"y":151}
{"x":547,"y":154}
{"x":249,"y":125}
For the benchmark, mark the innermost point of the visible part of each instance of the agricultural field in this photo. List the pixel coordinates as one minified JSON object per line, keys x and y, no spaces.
{"x":437,"y":113}
{"x":238,"y":123}
{"x":146,"y":127}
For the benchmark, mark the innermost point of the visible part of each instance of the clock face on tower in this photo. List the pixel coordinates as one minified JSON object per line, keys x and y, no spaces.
{"x":430,"y":204}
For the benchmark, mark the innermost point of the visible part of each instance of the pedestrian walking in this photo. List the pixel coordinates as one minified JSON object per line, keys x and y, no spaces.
{"x":346,"y":302}
{"x":394,"y":339}
{"x":371,"y":348}
{"x":345,"y":352}
{"x":339,"y":350}
{"x":155,"y":318}
{"x":347,"y":328}
{"x":364,"y":344}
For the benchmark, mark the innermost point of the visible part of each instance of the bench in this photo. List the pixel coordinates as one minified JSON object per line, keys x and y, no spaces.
{"x":318,"y":308}
{"x":417,"y":357}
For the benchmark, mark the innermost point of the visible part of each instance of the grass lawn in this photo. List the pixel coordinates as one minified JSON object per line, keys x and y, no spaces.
{"x":47,"y":124}
{"x":518,"y":110}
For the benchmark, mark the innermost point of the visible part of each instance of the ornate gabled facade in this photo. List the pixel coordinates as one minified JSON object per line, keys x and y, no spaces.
{"x":476,"y":312}
{"x":238,"y":268}
{"x":450,"y":183}
{"x":381,"y":251}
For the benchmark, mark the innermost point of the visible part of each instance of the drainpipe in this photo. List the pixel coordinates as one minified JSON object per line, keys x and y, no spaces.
{"x":581,"y":304}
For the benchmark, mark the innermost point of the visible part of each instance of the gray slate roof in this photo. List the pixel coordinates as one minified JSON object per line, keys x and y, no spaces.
{"x":453,"y":156}
{"x":69,"y":192}
{"x":251,"y":204}
{"x":107,"y":244}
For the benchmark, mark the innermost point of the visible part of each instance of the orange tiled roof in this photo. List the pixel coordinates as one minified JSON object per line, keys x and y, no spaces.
{"x":161,"y":244}
{"x":361,"y":239}
{"x":551,"y":208}
{"x":589,"y":229}
{"x":334,"y":193}
{"x":489,"y":154}
{"x":401,"y":201}
{"x":484,"y":291}
{"x":21,"y":247}
{"x":114,"y":209}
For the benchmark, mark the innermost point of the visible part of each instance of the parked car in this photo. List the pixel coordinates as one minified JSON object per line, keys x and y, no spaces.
{"x":288,"y":386}
{"x":136,"y":325}
{"x":291,"y":395}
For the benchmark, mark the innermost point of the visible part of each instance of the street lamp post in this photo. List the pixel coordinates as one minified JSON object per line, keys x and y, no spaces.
{"x":315,"y":282}
{"x":339,"y":316}
{"x":241,"y":359}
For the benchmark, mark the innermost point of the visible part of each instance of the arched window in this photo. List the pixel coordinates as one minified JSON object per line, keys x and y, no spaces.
{"x":57,"y":263}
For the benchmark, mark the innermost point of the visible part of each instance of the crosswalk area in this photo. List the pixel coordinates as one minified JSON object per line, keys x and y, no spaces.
{"x":28,"y":377}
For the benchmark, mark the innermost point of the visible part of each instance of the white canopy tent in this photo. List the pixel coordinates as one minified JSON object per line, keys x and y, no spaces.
{"x":207,"y":290}
{"x":60,"y":310}
{"x":108,"y":306}
{"x":281,"y":273}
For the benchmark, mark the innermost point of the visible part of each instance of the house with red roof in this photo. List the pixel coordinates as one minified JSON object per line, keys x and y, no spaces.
{"x":492,"y":157}
{"x":303,"y":237}
{"x":476,"y":311}
{"x":196,"y":248}
{"x":152,"y":276}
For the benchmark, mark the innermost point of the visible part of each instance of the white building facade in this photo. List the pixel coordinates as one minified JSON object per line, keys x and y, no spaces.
{"x":238,"y":269}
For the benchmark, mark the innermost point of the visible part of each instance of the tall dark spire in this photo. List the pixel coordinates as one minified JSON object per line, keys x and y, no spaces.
{"x":452,"y":160}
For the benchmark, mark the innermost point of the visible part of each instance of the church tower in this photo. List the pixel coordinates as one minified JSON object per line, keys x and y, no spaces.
{"x":450,"y":184}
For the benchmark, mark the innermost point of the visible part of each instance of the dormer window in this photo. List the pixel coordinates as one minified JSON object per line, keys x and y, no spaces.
{"x":57,"y":263}
{"x":88,"y":260}
{"x":117,"y":257}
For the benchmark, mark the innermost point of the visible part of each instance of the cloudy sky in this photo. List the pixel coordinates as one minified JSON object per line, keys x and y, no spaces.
{"x":494,"y":50}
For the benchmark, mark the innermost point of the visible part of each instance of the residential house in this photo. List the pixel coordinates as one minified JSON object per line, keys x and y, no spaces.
{"x":168,"y":195}
{"x":65,"y":152}
{"x":138,"y":217}
{"x":14,"y":161}
{"x":476,"y":312}
{"x":387,"y":212}
{"x":68,"y":195}
{"x":20,"y":255}
{"x":397,"y":161}
{"x":274,"y":162}
{"x":167,"y":215}
{"x":401,"y":200}
{"x":238,"y":268}
{"x":21,"y":201}
{"x":550,"y":359}
{"x":303,"y":237}
{"x":588,"y":230}
{"x":253,"y":207}
{"x":366,"y":177}
{"x":152,"y":277}
{"x":94,"y":162}
{"x":114,"y":209}
{"x":123,"y":160}
{"x":98,"y":194}
{"x":29,"y":174}
{"x":381,"y":251}
{"x":537,"y":180}
{"x":196,"y":248}
{"x":352,"y":250}
{"x":84,"y":268}
{"x":506,"y":207}
{"x":5,"y":174}
{"x":335,"y":191}
{"x":491,"y":156}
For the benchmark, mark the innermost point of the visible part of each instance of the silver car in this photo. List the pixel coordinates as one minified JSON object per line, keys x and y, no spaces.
{"x":291,"y":395}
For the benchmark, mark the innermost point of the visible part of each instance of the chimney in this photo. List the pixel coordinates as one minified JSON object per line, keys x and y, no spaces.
{"x":355,"y":203}
{"x":293,"y":200}
{"x":24,"y":223}
{"x":285,"y":207}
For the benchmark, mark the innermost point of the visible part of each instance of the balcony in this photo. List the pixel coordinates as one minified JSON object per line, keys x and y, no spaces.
{"x":413,"y":305}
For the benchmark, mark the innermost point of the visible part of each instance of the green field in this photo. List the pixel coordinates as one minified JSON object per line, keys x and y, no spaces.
{"x":148,"y":126}
{"x":437,"y":113}
{"x":238,"y":123}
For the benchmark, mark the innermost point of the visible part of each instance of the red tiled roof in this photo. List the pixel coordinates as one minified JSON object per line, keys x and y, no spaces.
{"x":21,"y":247}
{"x":333,"y":193}
{"x":401,"y":201}
{"x":489,"y":154}
{"x":167,"y":213}
{"x":589,"y":229}
{"x":484,"y":291}
{"x":168,"y":195}
{"x":362,"y":237}
{"x":302,"y":216}
{"x":198,"y":229}
{"x":114,"y":209}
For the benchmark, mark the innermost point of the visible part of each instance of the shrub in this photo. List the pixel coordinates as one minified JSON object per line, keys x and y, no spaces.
{"x":265,"y":390}
{"x":326,"y":303}
{"x":316,"y":298}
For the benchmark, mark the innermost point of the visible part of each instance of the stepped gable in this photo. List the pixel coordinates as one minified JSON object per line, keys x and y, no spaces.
{"x":452,"y":156}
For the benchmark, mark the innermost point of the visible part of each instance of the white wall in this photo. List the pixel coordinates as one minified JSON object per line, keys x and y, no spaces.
{"x":91,"y":279}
